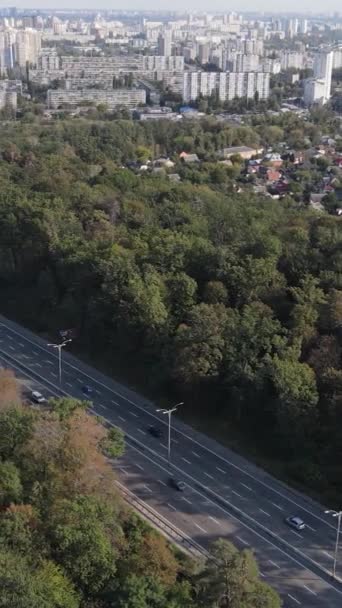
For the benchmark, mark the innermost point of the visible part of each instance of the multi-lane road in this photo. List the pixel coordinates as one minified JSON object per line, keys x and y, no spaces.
{"x":226,"y":496}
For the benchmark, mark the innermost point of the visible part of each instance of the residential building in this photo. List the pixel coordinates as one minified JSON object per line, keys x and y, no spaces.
{"x":245,"y":63}
{"x":323,"y":65}
{"x":165,"y":43}
{"x":292,"y":59}
{"x":129,"y":98}
{"x":227,"y":85}
{"x":27,"y":47}
{"x":314,"y":92}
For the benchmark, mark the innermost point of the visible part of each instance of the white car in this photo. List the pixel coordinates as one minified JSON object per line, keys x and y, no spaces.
{"x":37,"y":397}
{"x":295,"y":522}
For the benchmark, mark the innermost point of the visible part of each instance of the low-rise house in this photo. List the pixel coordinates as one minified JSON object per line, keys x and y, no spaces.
{"x":189,"y":158}
{"x":244,"y":151}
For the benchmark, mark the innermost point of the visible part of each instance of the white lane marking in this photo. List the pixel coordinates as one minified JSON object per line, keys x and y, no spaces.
{"x":115,"y":402}
{"x":121,"y":418}
{"x":185,"y":460}
{"x":195,"y":454}
{"x":250,"y":475}
{"x":139,"y":466}
{"x":265,"y":512}
{"x":97,"y":391}
{"x":54,"y":374}
{"x":186,"y":500}
{"x":79,"y":380}
{"x":162,"y":445}
{"x":49,"y":362}
{"x":221,"y":470}
{"x":36,"y":354}
{"x":273,"y":563}
{"x":200,"y":527}
{"x":328,"y":554}
{"x":132,"y":414}
{"x":237,"y":493}
{"x":277,"y":506}
{"x":103,"y":406}
{"x":25,"y":356}
{"x":10,"y":337}
{"x":245,"y":486}
{"x":147,"y":488}
{"x":69,"y":384}
{"x":171,"y":506}
{"x":141,"y":431}
{"x":296,"y":533}
{"x":11,"y":347}
{"x":208,"y":475}
{"x":123,"y":470}
{"x":244,"y":542}
{"x":175,"y":440}
{"x":162,"y":482}
{"x":313,"y":529}
{"x":21,"y":344}
{"x":38,"y":365}
{"x":261,"y":574}
{"x":215,"y":520}
{"x":309,"y":590}
{"x":293,"y":598}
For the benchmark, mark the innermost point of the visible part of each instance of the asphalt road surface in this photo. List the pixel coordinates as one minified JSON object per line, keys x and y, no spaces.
{"x":225,"y":496}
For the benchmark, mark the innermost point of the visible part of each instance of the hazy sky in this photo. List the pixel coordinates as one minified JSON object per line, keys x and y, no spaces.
{"x":314,"y":6}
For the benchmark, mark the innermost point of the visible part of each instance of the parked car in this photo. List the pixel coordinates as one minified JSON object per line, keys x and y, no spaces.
{"x":155,"y":431}
{"x":37,"y":397}
{"x":295,"y":522}
{"x":177,"y":484}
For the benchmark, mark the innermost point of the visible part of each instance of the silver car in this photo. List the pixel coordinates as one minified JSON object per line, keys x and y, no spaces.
{"x":295,"y":522}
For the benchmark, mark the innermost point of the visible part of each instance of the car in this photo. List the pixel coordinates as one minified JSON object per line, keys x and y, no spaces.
{"x":295,"y":522}
{"x":87,"y":390}
{"x":155,"y":431}
{"x":37,"y":397}
{"x":177,"y":484}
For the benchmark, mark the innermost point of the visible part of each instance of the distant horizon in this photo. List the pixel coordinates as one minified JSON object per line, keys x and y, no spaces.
{"x":265,"y":6}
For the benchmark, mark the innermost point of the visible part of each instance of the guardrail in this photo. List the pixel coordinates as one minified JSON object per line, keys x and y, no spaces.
{"x":174,"y":534}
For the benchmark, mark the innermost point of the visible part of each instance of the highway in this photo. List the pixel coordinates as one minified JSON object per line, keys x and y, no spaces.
{"x":226,"y":495}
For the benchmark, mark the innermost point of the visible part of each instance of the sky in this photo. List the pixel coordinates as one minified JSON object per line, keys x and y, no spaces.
{"x":313,"y":6}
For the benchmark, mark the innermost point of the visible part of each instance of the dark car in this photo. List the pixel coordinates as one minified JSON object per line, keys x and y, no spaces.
{"x":295,"y":522}
{"x":87,"y":390}
{"x":177,"y":484}
{"x":155,"y":431}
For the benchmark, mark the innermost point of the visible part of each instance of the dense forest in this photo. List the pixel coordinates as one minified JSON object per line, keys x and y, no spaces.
{"x":67,"y":540}
{"x":229,"y":300}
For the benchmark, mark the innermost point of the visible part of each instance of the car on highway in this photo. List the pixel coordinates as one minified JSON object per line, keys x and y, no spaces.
{"x":177,"y":484}
{"x":87,"y":390}
{"x":37,"y":397}
{"x":295,"y":522}
{"x":155,"y":431}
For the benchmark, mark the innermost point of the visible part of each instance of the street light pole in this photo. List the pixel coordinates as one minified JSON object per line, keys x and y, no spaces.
{"x":169,"y":414}
{"x":337,"y":514}
{"x":59,"y":348}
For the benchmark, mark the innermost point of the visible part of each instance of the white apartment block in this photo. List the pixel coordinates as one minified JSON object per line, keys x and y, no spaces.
{"x":245,"y":63}
{"x":228,"y":85}
{"x":128,"y":98}
{"x":27,"y":47}
{"x":314,"y":92}
{"x":292,"y":59}
{"x":337,"y":62}
{"x":323,"y":65}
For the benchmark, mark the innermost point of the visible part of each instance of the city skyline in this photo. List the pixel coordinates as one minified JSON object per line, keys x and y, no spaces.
{"x":307,"y":6}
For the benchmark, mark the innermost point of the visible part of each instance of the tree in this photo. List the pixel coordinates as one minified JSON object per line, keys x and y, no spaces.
{"x":10,"y":390}
{"x":230,"y":580}
{"x":114,"y":444}
{"x":82,"y":534}
{"x":16,"y":427}
{"x":10,"y":484}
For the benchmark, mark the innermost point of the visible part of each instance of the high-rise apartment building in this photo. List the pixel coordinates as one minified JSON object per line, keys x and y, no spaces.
{"x":165,"y":43}
{"x":27,"y":46}
{"x":323,"y":65}
{"x":245,"y":63}
{"x":227,"y":85}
